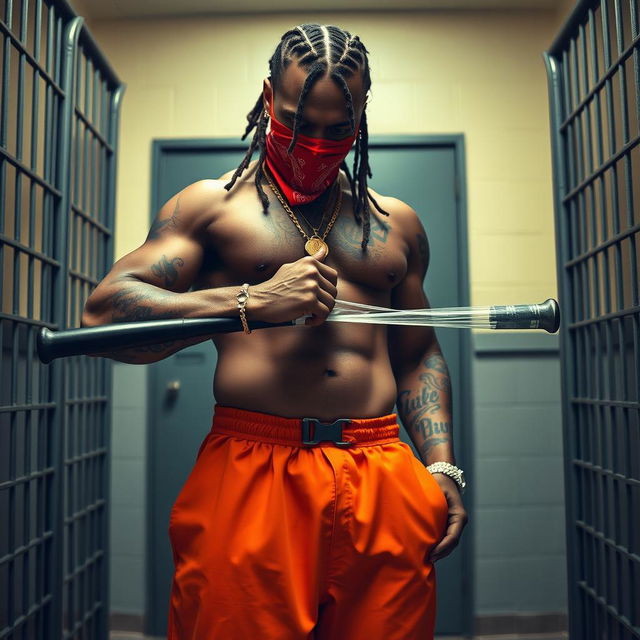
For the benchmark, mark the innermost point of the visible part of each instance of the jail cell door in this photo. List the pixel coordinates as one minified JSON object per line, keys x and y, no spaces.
{"x":426,"y":172}
{"x":58,"y":126}
{"x":593,"y":70}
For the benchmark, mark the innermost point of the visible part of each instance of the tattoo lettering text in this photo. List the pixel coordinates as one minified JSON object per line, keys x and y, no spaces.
{"x":421,"y":407}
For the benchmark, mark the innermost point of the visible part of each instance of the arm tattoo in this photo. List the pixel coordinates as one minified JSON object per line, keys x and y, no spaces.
{"x":159,"y":226}
{"x":166,"y":269}
{"x":423,"y":250}
{"x":421,"y":407}
{"x":128,"y":305}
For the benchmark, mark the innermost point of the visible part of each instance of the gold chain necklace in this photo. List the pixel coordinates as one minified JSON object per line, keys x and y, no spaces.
{"x":324,"y":213}
{"x":314,"y":242}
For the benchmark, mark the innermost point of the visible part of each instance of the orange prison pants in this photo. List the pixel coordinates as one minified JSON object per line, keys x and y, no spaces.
{"x":272,"y":539}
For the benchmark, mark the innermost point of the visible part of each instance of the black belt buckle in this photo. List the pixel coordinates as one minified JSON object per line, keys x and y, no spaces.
{"x":324,"y":431}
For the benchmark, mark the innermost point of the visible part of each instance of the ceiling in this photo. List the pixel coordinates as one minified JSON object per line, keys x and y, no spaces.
{"x":98,"y":9}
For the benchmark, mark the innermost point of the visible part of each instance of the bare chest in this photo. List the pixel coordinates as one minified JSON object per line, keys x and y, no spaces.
{"x":249,"y":246}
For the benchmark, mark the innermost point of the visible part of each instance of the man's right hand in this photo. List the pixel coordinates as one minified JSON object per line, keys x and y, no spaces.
{"x":301,"y":288}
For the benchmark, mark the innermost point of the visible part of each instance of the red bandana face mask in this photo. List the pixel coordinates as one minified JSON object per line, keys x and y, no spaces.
{"x":312,"y":166}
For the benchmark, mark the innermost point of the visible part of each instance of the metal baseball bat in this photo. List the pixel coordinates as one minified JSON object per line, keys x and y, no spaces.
{"x":122,"y":335}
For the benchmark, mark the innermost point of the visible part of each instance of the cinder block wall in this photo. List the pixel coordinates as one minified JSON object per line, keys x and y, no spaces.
{"x":476,"y":72}
{"x":519,"y":527}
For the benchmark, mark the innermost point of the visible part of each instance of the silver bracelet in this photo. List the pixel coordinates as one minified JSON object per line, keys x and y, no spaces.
{"x":450,"y":470}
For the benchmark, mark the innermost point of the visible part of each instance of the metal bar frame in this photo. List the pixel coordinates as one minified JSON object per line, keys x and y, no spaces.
{"x":597,"y":270}
{"x":54,"y":420}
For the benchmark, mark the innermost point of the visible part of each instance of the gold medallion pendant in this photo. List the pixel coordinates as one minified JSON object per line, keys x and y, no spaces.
{"x":313,"y":244}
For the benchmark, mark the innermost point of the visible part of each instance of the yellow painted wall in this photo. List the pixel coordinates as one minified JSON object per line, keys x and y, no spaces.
{"x":476,"y":72}
{"x":82,"y":9}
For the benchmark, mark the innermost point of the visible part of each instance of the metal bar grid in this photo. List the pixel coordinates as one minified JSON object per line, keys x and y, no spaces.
{"x":88,"y":390}
{"x":54,"y":419}
{"x":593,"y":69}
{"x":28,"y":196}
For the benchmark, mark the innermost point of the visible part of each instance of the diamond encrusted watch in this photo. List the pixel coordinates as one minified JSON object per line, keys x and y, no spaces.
{"x":450,"y":470}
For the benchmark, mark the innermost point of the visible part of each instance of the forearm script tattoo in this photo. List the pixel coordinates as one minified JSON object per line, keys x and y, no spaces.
{"x":421,"y":407}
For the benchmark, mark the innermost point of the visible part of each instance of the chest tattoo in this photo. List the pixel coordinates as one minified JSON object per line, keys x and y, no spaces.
{"x":348,"y":234}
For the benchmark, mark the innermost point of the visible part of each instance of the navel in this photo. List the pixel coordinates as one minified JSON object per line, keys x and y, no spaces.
{"x":330,"y":373}
{"x":261,"y":267}
{"x":391,"y":275}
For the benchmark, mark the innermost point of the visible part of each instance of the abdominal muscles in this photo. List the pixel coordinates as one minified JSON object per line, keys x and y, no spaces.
{"x":282,"y":372}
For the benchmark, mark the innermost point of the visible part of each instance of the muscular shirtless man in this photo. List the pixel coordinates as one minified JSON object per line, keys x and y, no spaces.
{"x":271,"y":537}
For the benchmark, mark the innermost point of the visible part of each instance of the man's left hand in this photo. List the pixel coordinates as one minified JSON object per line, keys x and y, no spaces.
{"x":457,"y":518}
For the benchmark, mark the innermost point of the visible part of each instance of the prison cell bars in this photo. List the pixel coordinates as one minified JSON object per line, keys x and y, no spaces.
{"x":54,"y":485}
{"x":600,"y":339}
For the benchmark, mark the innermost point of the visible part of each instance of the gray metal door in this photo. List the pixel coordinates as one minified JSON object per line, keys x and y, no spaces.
{"x":593,"y":69}
{"x":427,"y":172}
{"x":58,"y":139}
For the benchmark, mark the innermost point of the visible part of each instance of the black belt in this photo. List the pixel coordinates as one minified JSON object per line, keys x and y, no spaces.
{"x":324,"y":431}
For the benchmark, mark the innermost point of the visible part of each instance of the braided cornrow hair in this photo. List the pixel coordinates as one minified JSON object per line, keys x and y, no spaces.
{"x":320,"y":50}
